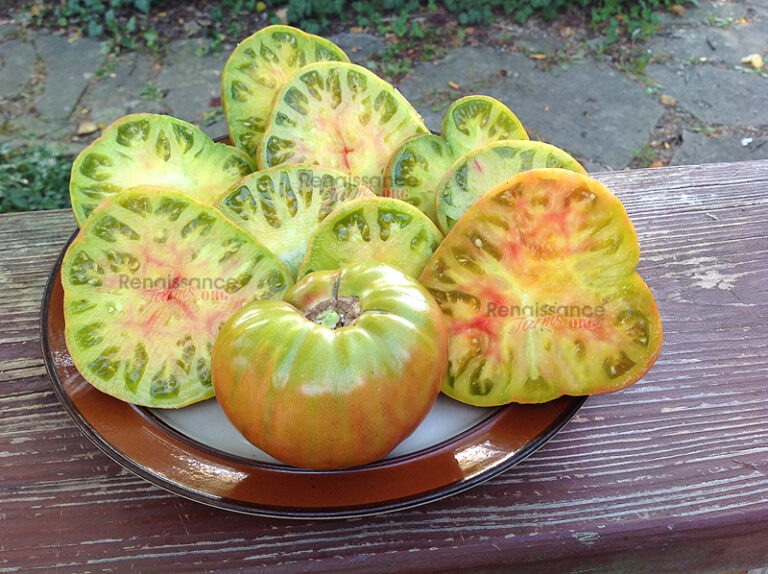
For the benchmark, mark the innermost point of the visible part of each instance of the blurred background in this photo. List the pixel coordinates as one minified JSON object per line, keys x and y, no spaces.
{"x":619,"y":85}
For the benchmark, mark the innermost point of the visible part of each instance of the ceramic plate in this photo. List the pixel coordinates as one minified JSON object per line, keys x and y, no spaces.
{"x":196,"y":453}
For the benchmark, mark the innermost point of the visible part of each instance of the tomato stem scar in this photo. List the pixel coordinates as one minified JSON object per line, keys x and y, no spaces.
{"x":335,"y":312}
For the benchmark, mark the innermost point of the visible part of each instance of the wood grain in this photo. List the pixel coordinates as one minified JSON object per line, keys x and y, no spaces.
{"x":670,"y":475}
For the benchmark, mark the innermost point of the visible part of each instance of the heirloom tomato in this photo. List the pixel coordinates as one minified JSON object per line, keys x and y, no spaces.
{"x":148,"y":282}
{"x":337,"y":373}
{"x":338,"y":115}
{"x":257,"y":68}
{"x":417,"y":166}
{"x":153,"y":150}
{"x":485,"y":167}
{"x":381,"y":229}
{"x":538,"y":282}
{"x":283,"y":205}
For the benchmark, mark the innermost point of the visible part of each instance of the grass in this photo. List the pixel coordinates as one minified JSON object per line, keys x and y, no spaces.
{"x":144,"y":24}
{"x":33,"y":177}
{"x":151,"y":92}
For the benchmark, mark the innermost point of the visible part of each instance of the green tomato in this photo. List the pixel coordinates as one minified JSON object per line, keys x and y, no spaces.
{"x":339,"y":372}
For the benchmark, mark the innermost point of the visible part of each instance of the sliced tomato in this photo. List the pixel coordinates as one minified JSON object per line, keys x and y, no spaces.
{"x":148,"y":282}
{"x":538,"y":283}
{"x":153,"y":150}
{"x":380,"y":229}
{"x":258,"y":68}
{"x":283,"y":205}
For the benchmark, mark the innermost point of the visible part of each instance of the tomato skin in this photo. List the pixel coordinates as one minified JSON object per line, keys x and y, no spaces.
{"x":327,"y":398}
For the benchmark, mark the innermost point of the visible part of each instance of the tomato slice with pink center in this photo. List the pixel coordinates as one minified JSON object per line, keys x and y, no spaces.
{"x":148,"y":281}
{"x":341,"y":116}
{"x":538,"y":283}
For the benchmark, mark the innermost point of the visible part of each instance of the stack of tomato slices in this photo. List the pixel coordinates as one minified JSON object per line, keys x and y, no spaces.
{"x":331,"y":272}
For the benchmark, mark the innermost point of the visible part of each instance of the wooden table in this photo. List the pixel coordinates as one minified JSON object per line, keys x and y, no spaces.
{"x":668,"y":475}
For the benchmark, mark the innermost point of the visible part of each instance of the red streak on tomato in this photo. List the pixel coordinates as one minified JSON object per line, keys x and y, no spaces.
{"x":148,"y":257}
{"x":481,"y":326}
{"x":491,"y":297}
{"x":166,"y":302}
{"x":486,"y":318}
{"x":213,"y":321}
{"x":344,"y":149}
{"x":478,"y":166}
{"x":479,"y":322}
{"x":559,"y":220}
{"x":148,"y":326}
{"x":512,"y":250}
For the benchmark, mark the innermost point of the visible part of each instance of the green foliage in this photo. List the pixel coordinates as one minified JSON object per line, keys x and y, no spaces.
{"x":127,"y":25}
{"x":230,"y":19}
{"x":33,"y":177}
{"x":637,"y":19}
{"x":617,"y":17}
{"x":314,"y":16}
{"x":124,"y":22}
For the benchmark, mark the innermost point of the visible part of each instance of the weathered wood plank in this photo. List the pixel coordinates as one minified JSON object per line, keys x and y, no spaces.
{"x":668,"y":475}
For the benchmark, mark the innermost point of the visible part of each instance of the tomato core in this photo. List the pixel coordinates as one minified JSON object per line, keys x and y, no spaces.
{"x":335,"y":313}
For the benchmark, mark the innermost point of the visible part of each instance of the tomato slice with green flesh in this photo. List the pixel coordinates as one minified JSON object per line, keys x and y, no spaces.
{"x":416,"y":167}
{"x":485,"y":167}
{"x":148,"y":281}
{"x":154,"y":150}
{"x":342,"y":116}
{"x":538,"y":284}
{"x":339,"y":372}
{"x":282,"y":206}
{"x":378,"y":229}
{"x":475,"y":120}
{"x":257,"y":69}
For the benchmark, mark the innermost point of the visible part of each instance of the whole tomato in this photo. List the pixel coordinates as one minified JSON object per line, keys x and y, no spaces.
{"x":336,"y":374}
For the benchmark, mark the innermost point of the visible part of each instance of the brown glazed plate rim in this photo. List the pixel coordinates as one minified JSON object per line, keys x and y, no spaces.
{"x":145,"y":445}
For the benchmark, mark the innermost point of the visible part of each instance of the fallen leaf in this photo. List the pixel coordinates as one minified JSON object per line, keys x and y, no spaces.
{"x":86,"y":127}
{"x":668,"y":101}
{"x":656,"y":163}
{"x":453,"y":85}
{"x":537,"y":56}
{"x":282,"y":15}
{"x":677,"y":10}
{"x":356,"y":29}
{"x":754,"y":60}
